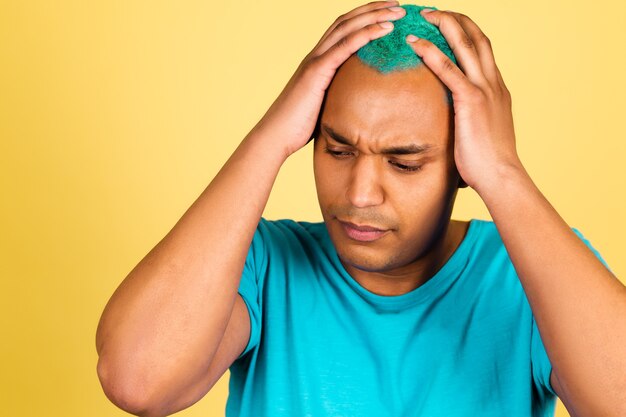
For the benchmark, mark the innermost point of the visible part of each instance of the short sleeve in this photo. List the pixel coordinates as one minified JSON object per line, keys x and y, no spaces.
{"x":250,"y":285}
{"x":595,"y":252}
{"x":541,"y":366}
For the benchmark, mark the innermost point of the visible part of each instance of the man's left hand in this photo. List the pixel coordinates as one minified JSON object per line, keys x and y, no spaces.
{"x":484,"y":144}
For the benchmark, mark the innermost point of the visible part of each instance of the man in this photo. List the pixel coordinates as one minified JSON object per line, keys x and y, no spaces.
{"x":388,"y":307}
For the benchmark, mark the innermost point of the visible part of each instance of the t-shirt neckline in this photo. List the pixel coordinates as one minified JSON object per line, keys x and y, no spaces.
{"x":437,"y":284}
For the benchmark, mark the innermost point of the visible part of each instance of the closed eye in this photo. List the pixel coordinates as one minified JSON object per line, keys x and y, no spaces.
{"x":337,"y":153}
{"x":401,"y":167}
{"x":406,"y":167}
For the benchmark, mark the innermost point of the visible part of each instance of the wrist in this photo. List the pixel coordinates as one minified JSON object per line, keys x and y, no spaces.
{"x":503,"y":178}
{"x":269,"y":143}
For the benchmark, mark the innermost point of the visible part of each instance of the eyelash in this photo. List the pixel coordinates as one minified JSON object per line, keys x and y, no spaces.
{"x":406,"y":168}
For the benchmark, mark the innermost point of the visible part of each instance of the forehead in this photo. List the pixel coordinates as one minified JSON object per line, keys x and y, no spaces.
{"x":402,"y":106}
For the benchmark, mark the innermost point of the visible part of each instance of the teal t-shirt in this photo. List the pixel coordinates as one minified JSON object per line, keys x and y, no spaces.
{"x":464,"y":343}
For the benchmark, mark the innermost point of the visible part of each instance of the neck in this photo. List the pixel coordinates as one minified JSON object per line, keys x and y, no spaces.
{"x":409,"y":277}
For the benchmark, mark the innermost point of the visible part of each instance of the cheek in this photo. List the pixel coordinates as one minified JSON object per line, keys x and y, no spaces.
{"x":422,"y":197}
{"x":431,"y":183}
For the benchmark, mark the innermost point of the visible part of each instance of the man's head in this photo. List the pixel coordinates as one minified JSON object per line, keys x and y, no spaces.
{"x":391,"y":53}
{"x":384,"y":157}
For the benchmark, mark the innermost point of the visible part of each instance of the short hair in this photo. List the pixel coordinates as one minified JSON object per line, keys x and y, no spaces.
{"x":391,"y":52}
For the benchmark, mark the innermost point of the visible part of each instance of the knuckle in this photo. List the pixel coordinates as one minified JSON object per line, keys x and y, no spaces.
{"x":444,"y":17}
{"x":373,"y":29}
{"x":467,"y":42}
{"x":464,"y":18}
{"x":507,"y":95}
{"x":340,"y":25}
{"x":384,"y":12}
{"x":484,"y":39}
{"x":340,"y":19}
{"x":312,"y":65}
{"x":311,"y":62}
{"x":447,"y":65}
{"x":374,"y":5}
{"x":490,"y":93}
{"x":424,"y":44}
{"x":343,"y":42}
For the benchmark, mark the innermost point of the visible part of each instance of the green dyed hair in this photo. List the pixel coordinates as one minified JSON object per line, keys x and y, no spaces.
{"x":391,"y":52}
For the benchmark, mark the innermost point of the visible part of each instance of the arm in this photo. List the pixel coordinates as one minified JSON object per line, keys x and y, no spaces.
{"x":163,"y":325}
{"x":578,"y":304}
{"x":160,"y":331}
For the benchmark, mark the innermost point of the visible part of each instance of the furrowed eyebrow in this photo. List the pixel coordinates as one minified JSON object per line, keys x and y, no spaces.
{"x":410,"y":149}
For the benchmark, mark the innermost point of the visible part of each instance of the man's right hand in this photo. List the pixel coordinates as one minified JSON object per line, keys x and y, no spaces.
{"x":179,"y":307}
{"x":292,"y":118}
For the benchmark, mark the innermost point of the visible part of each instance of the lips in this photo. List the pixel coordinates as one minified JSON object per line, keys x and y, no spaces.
{"x":364,"y":228}
{"x":362,"y":233}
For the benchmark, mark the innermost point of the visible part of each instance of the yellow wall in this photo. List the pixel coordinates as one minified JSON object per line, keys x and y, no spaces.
{"x":115,"y":115}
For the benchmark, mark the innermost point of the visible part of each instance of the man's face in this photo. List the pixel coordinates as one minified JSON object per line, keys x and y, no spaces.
{"x":410,"y":195}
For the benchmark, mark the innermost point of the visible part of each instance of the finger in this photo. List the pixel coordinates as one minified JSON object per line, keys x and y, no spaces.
{"x":359,"y":10}
{"x":338,"y":53}
{"x":357,"y":22}
{"x":460,"y":42}
{"x":482,"y":45}
{"x":442,"y":66}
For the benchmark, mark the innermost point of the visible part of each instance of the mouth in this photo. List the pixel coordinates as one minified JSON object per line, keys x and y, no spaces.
{"x":362,"y":233}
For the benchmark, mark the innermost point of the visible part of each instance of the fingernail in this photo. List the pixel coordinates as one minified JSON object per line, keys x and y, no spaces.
{"x":386,"y":25}
{"x":397,"y":9}
{"x":426,"y":10}
{"x":411,"y":38}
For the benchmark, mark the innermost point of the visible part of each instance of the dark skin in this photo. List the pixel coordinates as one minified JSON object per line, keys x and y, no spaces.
{"x":578,"y":304}
{"x":411,"y":195}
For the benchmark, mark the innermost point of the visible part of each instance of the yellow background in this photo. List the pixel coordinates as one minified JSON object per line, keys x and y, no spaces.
{"x":115,"y":115}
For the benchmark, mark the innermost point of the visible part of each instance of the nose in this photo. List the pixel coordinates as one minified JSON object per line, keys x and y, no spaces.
{"x":365,"y":189}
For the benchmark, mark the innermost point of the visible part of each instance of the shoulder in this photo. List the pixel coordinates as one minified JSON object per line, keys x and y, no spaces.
{"x":486,"y":235}
{"x":489,"y":241}
{"x":288,"y":234}
{"x":290,"y":227}
{"x":488,"y":256}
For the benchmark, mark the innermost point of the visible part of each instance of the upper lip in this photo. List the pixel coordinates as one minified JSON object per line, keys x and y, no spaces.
{"x":364,"y":227}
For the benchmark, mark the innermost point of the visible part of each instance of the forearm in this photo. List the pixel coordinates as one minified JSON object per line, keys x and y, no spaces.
{"x":579,"y":306}
{"x":166,"y":320}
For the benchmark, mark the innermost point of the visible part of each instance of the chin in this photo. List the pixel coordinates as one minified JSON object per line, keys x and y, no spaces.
{"x":367,"y":259}
{"x":367,"y":256}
